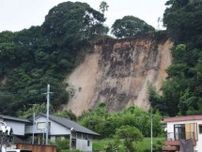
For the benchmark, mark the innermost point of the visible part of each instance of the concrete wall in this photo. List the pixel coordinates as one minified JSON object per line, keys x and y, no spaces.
{"x":170,"y":129}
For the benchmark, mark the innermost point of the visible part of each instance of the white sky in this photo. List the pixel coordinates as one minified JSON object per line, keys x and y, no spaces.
{"x":16,"y":15}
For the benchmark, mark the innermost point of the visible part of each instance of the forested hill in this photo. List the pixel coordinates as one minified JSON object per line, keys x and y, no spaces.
{"x":33,"y":57}
{"x":182,"y":92}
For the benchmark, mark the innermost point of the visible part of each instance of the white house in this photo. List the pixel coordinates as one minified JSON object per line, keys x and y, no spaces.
{"x":183,"y":128}
{"x":61,"y":128}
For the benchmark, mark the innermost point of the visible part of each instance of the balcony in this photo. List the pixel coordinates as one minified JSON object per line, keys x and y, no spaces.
{"x":173,"y":140}
{"x":181,"y":136}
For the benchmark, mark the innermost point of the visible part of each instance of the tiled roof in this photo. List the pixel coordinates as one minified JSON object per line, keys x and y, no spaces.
{"x":183,"y":118}
{"x":14,"y":118}
{"x":70,"y":124}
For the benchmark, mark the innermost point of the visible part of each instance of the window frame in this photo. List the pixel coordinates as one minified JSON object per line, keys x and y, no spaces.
{"x":200,"y":128}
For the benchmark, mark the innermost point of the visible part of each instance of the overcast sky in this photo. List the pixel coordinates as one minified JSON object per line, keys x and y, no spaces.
{"x":16,"y":15}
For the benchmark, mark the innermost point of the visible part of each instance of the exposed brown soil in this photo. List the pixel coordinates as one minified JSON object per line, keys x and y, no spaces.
{"x":118,"y":73}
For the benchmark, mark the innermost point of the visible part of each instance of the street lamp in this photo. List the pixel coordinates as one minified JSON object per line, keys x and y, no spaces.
{"x":151,"y":117}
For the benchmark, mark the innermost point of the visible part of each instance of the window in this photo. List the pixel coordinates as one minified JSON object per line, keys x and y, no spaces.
{"x":73,"y":143}
{"x":179,"y":131}
{"x":88,"y":143}
{"x":200,"y":129}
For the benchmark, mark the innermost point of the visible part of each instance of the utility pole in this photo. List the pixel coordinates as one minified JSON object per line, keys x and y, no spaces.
{"x":151,"y":130}
{"x":33,"y":128}
{"x":47,"y":112}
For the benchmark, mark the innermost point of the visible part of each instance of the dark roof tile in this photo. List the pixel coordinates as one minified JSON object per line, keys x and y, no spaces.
{"x":70,"y":124}
{"x":14,"y":118}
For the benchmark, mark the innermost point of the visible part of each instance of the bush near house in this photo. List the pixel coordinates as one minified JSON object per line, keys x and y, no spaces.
{"x":106,"y":123}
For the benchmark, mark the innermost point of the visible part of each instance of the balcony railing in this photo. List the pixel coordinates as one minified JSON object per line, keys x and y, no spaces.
{"x":181,"y":135}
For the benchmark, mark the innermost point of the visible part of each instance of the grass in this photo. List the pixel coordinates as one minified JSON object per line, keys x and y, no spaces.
{"x":143,"y":146}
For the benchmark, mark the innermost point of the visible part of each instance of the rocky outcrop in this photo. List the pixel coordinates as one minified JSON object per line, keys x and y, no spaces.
{"x":118,"y":73}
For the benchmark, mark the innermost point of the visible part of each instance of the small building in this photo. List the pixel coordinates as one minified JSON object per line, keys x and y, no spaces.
{"x":181,"y":129}
{"x":61,"y":128}
{"x":17,"y":125}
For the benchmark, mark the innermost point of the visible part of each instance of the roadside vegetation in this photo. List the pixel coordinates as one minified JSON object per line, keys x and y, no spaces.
{"x":141,"y":146}
{"x":128,"y":130}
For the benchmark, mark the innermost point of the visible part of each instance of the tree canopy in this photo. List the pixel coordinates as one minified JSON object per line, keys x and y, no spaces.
{"x":182,"y":92}
{"x":69,"y":22}
{"x":129,"y":135}
{"x":103,"y":6}
{"x":32,"y":58}
{"x":130,"y":26}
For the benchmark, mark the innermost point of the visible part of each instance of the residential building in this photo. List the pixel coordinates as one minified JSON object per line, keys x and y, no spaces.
{"x":25,"y":131}
{"x":18,"y":126}
{"x":183,"y":128}
{"x":61,"y":128}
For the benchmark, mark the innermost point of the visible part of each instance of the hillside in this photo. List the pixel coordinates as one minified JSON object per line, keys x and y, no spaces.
{"x":84,"y":66}
{"x":34,"y":57}
{"x":118,"y":73}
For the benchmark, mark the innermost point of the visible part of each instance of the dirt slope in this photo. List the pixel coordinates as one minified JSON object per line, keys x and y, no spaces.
{"x":118,"y":73}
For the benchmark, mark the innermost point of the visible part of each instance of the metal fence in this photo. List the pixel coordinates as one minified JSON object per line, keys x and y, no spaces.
{"x":181,"y":135}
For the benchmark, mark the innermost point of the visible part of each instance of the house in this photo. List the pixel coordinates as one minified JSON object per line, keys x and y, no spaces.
{"x":18,"y":126}
{"x":24,"y":131}
{"x":61,"y":128}
{"x":183,"y":128}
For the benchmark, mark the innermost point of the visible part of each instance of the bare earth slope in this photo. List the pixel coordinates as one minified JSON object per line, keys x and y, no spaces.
{"x":118,"y":73}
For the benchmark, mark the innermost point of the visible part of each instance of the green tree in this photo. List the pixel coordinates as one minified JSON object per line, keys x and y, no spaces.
{"x":103,"y":7}
{"x":32,"y":58}
{"x":130,"y":26}
{"x":35,"y":108}
{"x":73,"y":23}
{"x":181,"y":93}
{"x":67,"y":114}
{"x":106,"y":123}
{"x":183,"y":21}
{"x":129,"y":135}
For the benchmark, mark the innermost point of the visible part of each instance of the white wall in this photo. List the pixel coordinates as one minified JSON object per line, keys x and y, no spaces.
{"x":82,"y":144}
{"x":170,"y":129}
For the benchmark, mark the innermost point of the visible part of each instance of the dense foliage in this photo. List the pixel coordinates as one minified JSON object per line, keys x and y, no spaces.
{"x":182,"y":92}
{"x":32,"y":58}
{"x":106,"y":123}
{"x":112,"y":145}
{"x":129,"y":135}
{"x":130,"y":26}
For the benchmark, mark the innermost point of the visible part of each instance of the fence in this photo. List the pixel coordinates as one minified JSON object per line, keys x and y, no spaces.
{"x":37,"y":148}
{"x":181,"y":135}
